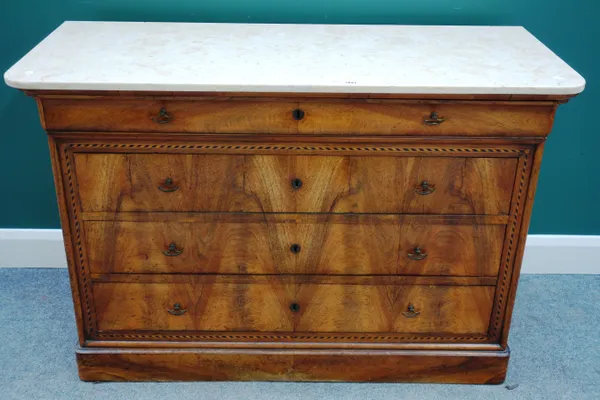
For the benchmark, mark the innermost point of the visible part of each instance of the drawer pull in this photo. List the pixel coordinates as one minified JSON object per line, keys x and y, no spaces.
{"x":295,"y":307}
{"x":298,"y":114}
{"x":168,"y":186}
{"x":163,"y":117}
{"x":433,"y":119}
{"x":410,"y":312}
{"x":296,"y":183}
{"x":295,"y":248}
{"x":418,"y":254}
{"x":424,"y":188}
{"x":177,"y":310}
{"x":172,"y":250}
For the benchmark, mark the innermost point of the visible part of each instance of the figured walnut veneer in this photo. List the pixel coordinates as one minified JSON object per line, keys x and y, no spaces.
{"x":337,"y":118}
{"x":227,"y":237}
{"x":261,"y":183}
{"x":330,"y":245}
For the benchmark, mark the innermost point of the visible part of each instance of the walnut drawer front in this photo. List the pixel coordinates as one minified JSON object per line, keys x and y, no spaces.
{"x":296,"y":244}
{"x":310,"y":117}
{"x":289,"y":183}
{"x":444,"y":119}
{"x":168,"y":116}
{"x":278,"y":307}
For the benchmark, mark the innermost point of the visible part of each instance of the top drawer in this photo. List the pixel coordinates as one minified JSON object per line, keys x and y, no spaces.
{"x":310,"y":117}
{"x":168,"y":116}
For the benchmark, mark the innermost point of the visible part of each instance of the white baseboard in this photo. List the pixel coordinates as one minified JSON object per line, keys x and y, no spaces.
{"x":32,"y":248}
{"x":562,"y":254}
{"x":544,"y":254}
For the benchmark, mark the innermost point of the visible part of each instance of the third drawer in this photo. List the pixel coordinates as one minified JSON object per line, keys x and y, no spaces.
{"x":298,"y":244}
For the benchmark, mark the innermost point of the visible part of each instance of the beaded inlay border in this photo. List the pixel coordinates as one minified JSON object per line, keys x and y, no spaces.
{"x":499,"y":308}
{"x":295,"y":147}
{"x":505,"y":273}
{"x":229,"y":337}
{"x":84,"y":278}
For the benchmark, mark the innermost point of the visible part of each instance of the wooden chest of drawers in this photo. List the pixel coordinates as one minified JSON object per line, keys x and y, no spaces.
{"x":237,"y":255}
{"x":294,"y":236}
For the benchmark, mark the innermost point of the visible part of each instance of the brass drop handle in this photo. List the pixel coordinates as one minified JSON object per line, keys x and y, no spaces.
{"x":434,"y":119}
{"x":168,"y":186}
{"x":172,"y":250}
{"x":177,"y":310}
{"x":424,"y":188}
{"x":163,"y":117}
{"x":418,"y":254}
{"x":410,"y":312}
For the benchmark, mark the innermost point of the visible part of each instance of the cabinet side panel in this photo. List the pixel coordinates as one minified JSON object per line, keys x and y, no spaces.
{"x":70,"y":209}
{"x":57,"y":172}
{"x":522,"y":237}
{"x":512,"y":253}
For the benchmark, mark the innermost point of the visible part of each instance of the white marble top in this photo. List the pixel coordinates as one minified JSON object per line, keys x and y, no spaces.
{"x":294,"y":58}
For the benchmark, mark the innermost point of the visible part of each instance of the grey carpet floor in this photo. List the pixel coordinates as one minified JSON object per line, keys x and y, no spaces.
{"x":555,"y":343}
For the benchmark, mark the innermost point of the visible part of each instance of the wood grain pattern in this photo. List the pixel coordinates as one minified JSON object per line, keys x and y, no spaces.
{"x":240,"y":340}
{"x":74,"y":244}
{"x":407,"y":119}
{"x":235,"y":214}
{"x":226,"y":248}
{"x":293,"y":365}
{"x":527,"y":199}
{"x":187,"y":116}
{"x":451,"y":250}
{"x":513,"y":240}
{"x":462,"y":185}
{"x":236,"y":217}
{"x":359,"y":280}
{"x":264,"y":306}
{"x":329,"y":245}
{"x":321,"y":117}
{"x":130,"y":182}
{"x":75,"y":277}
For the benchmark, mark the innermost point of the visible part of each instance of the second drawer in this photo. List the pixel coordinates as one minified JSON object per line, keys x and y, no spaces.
{"x":264,"y":183}
{"x":297,"y":244}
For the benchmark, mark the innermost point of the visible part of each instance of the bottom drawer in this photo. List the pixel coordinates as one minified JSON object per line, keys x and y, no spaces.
{"x":268,"y":305}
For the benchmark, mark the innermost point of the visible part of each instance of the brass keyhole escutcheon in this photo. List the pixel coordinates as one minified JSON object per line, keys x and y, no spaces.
{"x":296,"y":183}
{"x":298,"y":114}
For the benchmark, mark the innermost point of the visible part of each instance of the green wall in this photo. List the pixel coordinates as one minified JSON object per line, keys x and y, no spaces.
{"x":569,"y":188}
